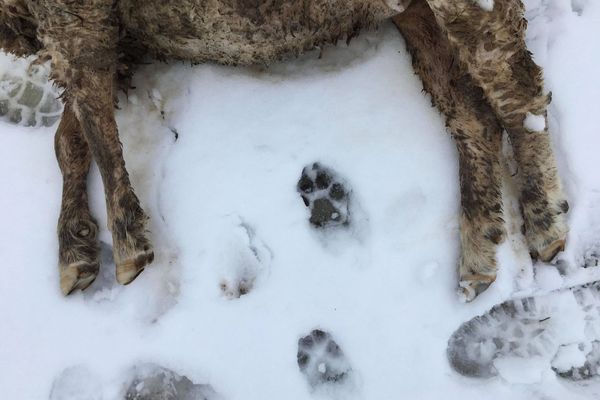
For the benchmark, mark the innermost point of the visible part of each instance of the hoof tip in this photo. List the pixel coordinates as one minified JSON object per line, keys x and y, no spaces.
{"x":128,"y":270}
{"x":79,"y":275}
{"x":471,"y":287}
{"x":547,"y":254}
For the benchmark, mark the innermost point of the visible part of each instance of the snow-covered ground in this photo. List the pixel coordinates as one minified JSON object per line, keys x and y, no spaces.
{"x":215,"y":154}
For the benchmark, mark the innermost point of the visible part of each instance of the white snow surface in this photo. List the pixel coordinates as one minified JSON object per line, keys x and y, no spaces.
{"x":535,"y":123}
{"x":224,"y":208}
{"x":569,"y":356}
{"x":487,"y":5}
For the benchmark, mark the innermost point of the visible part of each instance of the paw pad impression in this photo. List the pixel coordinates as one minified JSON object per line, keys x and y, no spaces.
{"x":321,"y":360}
{"x":326,"y":195}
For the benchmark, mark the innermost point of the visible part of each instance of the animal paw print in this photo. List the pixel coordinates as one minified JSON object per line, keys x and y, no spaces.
{"x":244,"y":260}
{"x":326,"y":195}
{"x":321,"y":360}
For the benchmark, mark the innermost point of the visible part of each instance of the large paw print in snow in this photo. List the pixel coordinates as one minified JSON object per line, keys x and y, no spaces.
{"x":326,"y":195}
{"x":243,"y":259}
{"x":321,"y":360}
{"x":153,"y":382}
{"x":27,"y":97}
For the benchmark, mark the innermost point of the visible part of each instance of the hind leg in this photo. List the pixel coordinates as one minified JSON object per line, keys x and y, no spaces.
{"x":491,"y":46}
{"x":84,"y":36}
{"x":94,"y":107}
{"x":477,"y":134}
{"x":81,"y":38}
{"x":78,"y":254}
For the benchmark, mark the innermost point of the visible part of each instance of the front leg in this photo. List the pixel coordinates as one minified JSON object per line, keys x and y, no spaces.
{"x":477,"y":134}
{"x":94,"y":106}
{"x":491,"y":45}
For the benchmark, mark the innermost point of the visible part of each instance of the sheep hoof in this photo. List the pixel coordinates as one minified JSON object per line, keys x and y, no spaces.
{"x":78,"y":275}
{"x":472,"y":286}
{"x":550,"y":251}
{"x":546,"y":241}
{"x":129,"y":269}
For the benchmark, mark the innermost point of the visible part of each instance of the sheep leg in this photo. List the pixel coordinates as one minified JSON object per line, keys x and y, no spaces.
{"x":94,"y":106}
{"x":78,"y":250}
{"x":478,"y":137}
{"x":490,"y":43}
{"x":81,"y":38}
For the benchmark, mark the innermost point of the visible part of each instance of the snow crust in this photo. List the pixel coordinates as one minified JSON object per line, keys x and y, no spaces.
{"x":517,"y":370}
{"x":212,"y":150}
{"x":397,"y":5}
{"x":569,"y":356}
{"x":487,"y":5}
{"x":535,"y":123}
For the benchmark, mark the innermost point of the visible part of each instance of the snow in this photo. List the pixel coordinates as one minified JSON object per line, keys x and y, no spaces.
{"x":535,"y":123}
{"x":224,"y":208}
{"x":397,"y":5}
{"x":487,"y":5}
{"x":516,"y":370}
{"x":569,"y":356}
{"x":76,"y":382}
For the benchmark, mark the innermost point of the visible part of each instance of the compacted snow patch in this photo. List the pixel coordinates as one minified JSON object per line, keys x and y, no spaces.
{"x":76,"y":383}
{"x":519,"y":370}
{"x":568,"y":357}
{"x":535,"y":123}
{"x":487,"y":5}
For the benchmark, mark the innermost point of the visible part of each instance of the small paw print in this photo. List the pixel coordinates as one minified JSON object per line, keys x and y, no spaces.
{"x":321,"y":360}
{"x":326,"y":195}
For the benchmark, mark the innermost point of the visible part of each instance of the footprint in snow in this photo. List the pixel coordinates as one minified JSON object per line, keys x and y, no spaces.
{"x":144,"y":382}
{"x":339,"y":221}
{"x":153,"y":382}
{"x":322,"y":361}
{"x":27,"y":96}
{"x":326,"y":195}
{"x":243,"y":259}
{"x":561,"y":328}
